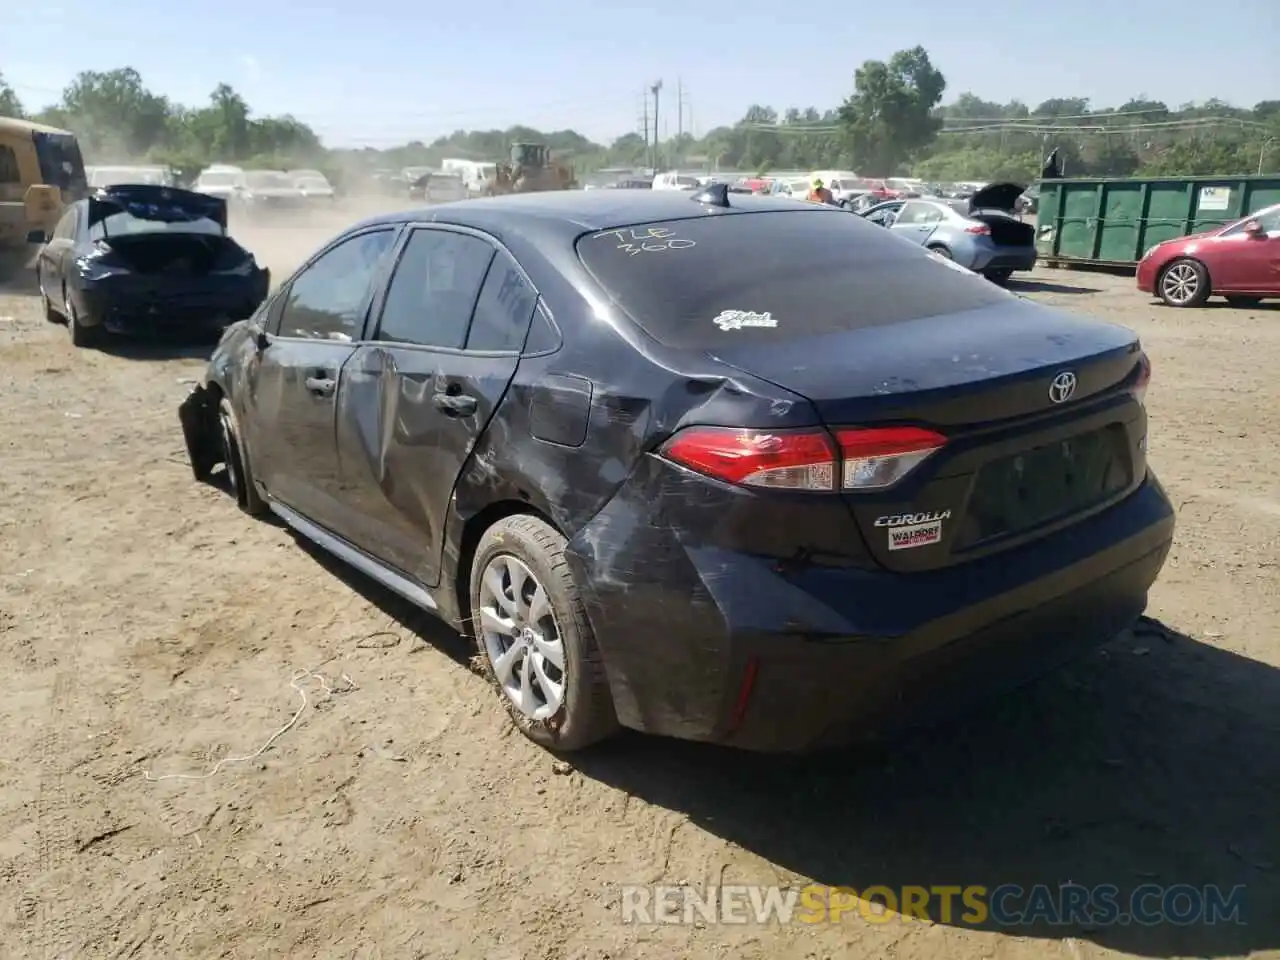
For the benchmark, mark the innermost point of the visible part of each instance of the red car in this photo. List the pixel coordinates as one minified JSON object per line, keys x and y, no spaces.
{"x":1240,"y":261}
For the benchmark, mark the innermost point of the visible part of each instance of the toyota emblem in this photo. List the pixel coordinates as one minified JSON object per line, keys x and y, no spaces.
{"x":1063,"y":386}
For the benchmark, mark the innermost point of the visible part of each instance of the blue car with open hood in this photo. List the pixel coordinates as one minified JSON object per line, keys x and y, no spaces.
{"x":146,"y":258}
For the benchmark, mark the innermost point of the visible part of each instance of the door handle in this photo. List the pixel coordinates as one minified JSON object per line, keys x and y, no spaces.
{"x":455,"y":404}
{"x":320,"y":386}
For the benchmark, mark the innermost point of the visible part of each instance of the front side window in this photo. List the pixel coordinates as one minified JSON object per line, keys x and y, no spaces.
{"x":434,"y":289}
{"x":326,"y":301}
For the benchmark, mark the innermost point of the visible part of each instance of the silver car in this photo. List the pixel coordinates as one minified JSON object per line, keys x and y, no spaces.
{"x":982,"y":233}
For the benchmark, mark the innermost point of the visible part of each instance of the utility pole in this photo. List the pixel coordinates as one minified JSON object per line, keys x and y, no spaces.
{"x":656,"y":89}
{"x":680,"y":109}
{"x":645,"y":97}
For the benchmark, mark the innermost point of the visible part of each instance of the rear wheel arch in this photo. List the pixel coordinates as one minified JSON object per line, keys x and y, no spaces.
{"x":581,"y":703}
{"x":473,"y":528}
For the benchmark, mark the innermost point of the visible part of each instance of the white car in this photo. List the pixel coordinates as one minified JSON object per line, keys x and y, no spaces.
{"x":110,"y":176}
{"x":675,"y":181}
{"x":791,"y":188}
{"x":271,"y":190}
{"x":221,"y":180}
{"x":313,"y":184}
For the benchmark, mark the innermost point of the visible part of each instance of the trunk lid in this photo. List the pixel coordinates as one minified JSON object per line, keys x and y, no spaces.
{"x":1021,"y":457}
{"x":997,"y":196}
{"x":979,"y":366}
{"x":157,"y":203}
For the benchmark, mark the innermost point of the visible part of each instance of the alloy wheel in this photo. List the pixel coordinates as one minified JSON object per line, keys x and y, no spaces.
{"x":1180,"y":283}
{"x":521,"y":637}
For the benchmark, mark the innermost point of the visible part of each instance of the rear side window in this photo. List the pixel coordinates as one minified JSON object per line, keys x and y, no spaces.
{"x":61,"y":164}
{"x":786,"y":274}
{"x":9,"y":166}
{"x":501,"y":318}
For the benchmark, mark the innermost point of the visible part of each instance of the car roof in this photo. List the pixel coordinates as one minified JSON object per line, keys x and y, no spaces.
{"x":573,"y":212}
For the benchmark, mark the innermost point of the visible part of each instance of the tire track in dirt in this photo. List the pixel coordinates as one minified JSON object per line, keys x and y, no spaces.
{"x":52,"y":923}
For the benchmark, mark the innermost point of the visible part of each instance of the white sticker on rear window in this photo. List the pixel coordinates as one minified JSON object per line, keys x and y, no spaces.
{"x":915,"y":535}
{"x":737,"y":319}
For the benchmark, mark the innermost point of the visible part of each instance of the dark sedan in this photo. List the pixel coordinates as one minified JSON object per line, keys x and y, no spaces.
{"x":141,"y":258}
{"x":720,"y":467}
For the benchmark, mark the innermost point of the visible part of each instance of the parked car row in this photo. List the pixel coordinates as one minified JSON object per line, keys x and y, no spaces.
{"x":265,"y":190}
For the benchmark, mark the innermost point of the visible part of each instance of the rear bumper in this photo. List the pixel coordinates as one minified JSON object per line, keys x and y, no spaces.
{"x":137,"y":313}
{"x":709,"y":644}
{"x":1004,"y":258}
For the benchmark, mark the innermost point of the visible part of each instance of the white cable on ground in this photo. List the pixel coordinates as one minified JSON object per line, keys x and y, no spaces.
{"x":298,"y":683}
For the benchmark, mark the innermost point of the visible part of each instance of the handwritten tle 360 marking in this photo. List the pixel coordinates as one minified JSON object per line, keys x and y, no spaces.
{"x":647,"y":240}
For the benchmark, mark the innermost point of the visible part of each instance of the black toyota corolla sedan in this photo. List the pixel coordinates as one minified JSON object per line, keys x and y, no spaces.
{"x":707,"y":465}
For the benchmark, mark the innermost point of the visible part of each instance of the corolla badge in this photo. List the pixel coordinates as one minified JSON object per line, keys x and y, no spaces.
{"x":1063,"y":387}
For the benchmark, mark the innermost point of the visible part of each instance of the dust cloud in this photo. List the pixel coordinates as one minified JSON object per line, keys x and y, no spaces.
{"x":284,"y":240}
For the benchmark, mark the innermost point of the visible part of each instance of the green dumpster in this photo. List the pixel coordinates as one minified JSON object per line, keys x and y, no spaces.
{"x":1113,"y":222}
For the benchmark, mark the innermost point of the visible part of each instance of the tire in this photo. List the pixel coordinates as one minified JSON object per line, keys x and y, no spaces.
{"x":940,"y":251}
{"x":82,"y":337}
{"x":50,"y":314}
{"x":236,"y":459}
{"x":528,"y":550}
{"x":1184,"y":283}
{"x":1244,"y":301}
{"x":999,"y":277}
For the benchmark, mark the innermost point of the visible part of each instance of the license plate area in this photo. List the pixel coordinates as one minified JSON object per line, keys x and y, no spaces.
{"x":1045,"y":484}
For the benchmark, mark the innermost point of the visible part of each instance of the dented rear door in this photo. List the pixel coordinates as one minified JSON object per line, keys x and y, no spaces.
{"x":415,"y":399}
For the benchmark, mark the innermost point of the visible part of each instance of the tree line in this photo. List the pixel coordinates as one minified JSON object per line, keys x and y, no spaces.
{"x":893,"y":122}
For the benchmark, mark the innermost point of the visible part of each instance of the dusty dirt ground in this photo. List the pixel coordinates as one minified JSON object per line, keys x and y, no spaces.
{"x":147,"y":625}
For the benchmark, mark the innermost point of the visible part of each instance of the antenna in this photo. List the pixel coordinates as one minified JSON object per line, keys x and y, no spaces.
{"x":714,"y":195}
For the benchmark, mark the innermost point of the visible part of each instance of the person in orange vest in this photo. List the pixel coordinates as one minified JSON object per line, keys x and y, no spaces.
{"x":820,"y":194}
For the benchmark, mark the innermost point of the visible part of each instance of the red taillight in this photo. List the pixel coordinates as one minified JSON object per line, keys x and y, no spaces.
{"x":878,"y":458}
{"x":804,"y":459}
{"x":1144,"y":378}
{"x":981,"y":229}
{"x":789,"y":460}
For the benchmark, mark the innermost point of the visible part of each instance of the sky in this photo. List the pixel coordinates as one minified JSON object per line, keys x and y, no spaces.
{"x":383,"y":72}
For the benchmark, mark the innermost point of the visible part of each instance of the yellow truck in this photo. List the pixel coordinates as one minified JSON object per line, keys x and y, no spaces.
{"x":41,"y":171}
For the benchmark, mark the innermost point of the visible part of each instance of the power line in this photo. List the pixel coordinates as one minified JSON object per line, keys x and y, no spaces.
{"x":1010,"y":126}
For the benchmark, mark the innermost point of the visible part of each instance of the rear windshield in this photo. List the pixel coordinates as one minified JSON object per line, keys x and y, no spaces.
{"x":797,"y":273}
{"x":125,"y":223}
{"x":111,"y":176}
{"x":61,"y":164}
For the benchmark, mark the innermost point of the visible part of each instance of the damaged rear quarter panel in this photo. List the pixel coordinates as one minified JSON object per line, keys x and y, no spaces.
{"x":639,"y":393}
{"x":636,"y":525}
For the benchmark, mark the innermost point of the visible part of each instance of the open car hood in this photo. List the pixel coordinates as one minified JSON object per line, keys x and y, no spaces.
{"x":997,"y":196}
{"x":156,"y":202}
